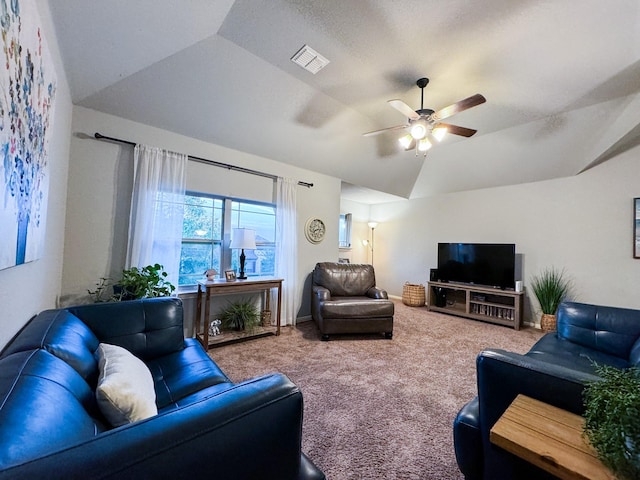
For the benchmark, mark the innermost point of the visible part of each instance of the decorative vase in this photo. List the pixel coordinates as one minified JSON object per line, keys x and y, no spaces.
{"x":548,"y":322}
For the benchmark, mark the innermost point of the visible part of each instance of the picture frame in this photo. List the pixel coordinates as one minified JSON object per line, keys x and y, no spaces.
{"x":636,"y":227}
{"x":230,"y":275}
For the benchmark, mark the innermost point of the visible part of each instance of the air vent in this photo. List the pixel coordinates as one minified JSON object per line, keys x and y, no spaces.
{"x":309,"y":59}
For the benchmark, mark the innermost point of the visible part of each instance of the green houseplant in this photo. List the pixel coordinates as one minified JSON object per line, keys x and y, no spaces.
{"x":146,"y":282}
{"x":612,"y":419}
{"x":550,"y":287}
{"x":240,"y":316}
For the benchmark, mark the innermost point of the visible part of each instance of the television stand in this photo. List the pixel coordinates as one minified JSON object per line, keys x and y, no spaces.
{"x":502,"y":307}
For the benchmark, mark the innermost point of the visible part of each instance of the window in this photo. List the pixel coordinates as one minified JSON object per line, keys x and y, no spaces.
{"x":344,"y":231}
{"x":206,"y":232}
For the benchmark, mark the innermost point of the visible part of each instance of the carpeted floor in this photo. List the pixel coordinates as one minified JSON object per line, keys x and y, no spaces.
{"x":376,"y":408}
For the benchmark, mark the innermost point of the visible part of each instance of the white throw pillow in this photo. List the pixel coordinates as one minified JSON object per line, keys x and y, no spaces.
{"x":125,"y":390}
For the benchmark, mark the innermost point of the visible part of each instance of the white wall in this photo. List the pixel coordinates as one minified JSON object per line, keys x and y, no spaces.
{"x":29,"y":288}
{"x":582,"y":224}
{"x":100,"y":177}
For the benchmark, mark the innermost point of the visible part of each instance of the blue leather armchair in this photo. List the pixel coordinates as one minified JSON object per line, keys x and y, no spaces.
{"x":51,"y":426}
{"x":554,"y":371}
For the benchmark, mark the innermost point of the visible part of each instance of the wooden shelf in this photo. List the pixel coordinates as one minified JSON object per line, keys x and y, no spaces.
{"x":229,"y":336}
{"x":502,"y":307}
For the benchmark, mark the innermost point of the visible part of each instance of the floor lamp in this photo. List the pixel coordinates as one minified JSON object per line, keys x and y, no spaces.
{"x":243,"y":238}
{"x":372,"y":226}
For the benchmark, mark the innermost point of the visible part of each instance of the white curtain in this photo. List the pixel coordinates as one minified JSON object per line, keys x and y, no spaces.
{"x":157,"y":207}
{"x":287,"y":248}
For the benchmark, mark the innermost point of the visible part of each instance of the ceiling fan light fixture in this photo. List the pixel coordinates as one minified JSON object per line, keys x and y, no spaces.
{"x":424,"y":145}
{"x":405,"y":141}
{"x":419,"y":129}
{"x":439,"y":133}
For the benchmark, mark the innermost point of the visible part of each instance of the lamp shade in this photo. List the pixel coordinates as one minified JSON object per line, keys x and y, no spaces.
{"x":243,"y":238}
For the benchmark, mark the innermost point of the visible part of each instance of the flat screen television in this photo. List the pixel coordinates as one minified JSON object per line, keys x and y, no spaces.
{"x":487,"y":264}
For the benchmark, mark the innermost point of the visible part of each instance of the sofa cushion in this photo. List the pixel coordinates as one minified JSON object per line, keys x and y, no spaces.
{"x":181,"y":374}
{"x":148,"y":328}
{"x":344,"y":279}
{"x":357,"y":307}
{"x":610,"y":330}
{"x":125,"y":390}
{"x":63,"y":335}
{"x":45,"y":405}
{"x":559,"y":351}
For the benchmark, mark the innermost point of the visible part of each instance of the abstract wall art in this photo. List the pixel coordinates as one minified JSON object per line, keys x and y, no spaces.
{"x":27,"y":92}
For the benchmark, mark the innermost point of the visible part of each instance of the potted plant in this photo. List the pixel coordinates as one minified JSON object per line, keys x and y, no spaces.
{"x":612,"y":419}
{"x":550,"y":287}
{"x":145,"y":282}
{"x":240,"y":316}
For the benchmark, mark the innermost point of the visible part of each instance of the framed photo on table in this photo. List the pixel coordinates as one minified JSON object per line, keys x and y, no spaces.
{"x":636,"y":228}
{"x":230,"y":275}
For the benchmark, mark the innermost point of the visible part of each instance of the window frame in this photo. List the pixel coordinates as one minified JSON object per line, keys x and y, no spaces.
{"x":346,"y":244}
{"x":227,"y":256}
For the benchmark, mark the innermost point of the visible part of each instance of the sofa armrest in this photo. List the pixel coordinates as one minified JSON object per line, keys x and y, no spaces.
{"x":375,"y":292}
{"x":240,"y":433}
{"x":318,"y":296}
{"x":467,"y":441}
{"x":503,"y":375}
{"x":321,"y":293}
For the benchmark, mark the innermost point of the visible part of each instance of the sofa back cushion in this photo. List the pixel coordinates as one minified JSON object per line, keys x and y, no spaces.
{"x":63,"y":335}
{"x":45,"y":405}
{"x":611,"y":330}
{"x":148,"y":328}
{"x":344,"y":279}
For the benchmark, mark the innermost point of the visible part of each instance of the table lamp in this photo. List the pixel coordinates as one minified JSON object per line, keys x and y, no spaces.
{"x":243,"y":238}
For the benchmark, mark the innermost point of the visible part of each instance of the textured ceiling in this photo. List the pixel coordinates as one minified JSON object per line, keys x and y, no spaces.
{"x":561,"y":78}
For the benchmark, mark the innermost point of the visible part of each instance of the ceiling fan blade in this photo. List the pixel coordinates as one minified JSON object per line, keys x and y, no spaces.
{"x":382,"y":130}
{"x":403,"y":108}
{"x":457,"y":107}
{"x":456,"y":130}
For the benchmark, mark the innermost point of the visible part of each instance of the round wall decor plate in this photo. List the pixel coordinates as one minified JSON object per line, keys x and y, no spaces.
{"x":314,"y":230}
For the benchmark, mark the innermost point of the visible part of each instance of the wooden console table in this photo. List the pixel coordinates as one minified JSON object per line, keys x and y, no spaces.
{"x":222,"y":287}
{"x":503,"y":307}
{"x":550,"y":438}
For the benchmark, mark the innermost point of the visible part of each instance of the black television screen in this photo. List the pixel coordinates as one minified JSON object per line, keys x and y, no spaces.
{"x":489,"y":264}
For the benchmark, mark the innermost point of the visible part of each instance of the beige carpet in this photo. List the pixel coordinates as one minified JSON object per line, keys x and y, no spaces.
{"x":376,"y":408}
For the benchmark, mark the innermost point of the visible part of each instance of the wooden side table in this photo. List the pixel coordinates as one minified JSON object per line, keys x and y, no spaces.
{"x":206,"y":289}
{"x":550,"y":438}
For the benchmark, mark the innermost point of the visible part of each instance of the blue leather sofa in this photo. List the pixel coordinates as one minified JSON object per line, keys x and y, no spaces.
{"x":554,"y":371}
{"x":206,"y":426}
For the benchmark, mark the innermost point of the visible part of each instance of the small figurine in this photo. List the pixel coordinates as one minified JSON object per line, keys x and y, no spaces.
{"x":214,"y":328}
{"x":211,"y":274}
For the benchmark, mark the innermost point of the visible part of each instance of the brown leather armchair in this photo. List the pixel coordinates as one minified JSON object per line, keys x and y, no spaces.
{"x":345,"y":299}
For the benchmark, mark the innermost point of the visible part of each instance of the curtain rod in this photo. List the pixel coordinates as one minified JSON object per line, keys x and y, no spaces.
{"x":99,"y":136}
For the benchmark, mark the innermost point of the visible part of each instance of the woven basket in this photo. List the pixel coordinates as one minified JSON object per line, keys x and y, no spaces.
{"x":413,"y":295}
{"x":266,"y":318}
{"x":548,"y":322}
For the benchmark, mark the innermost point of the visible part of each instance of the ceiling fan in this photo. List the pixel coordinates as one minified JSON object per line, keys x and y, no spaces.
{"x":425,"y":124}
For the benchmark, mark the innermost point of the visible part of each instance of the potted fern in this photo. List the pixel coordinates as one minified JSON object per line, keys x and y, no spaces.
{"x":612,"y":419}
{"x":240,"y":316}
{"x":550,"y":287}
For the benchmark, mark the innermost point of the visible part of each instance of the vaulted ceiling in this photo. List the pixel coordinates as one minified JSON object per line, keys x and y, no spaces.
{"x":561,"y":78}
